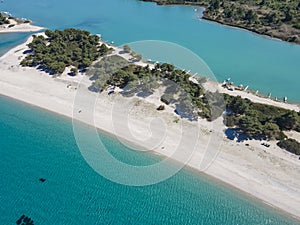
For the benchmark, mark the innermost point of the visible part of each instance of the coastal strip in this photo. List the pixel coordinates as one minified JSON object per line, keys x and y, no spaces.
{"x":21,"y":28}
{"x":9,"y":24}
{"x":260,"y":18}
{"x":270,"y":174}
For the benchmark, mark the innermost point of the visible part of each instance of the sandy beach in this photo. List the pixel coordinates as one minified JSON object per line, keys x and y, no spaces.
{"x":269,"y":174}
{"x":214,"y":86}
{"x":24,"y":27}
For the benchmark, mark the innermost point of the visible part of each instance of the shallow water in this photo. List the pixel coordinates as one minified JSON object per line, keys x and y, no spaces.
{"x":9,"y":40}
{"x":38,"y":144}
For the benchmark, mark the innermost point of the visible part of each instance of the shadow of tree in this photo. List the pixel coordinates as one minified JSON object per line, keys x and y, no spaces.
{"x":24,"y":220}
{"x":240,"y":136}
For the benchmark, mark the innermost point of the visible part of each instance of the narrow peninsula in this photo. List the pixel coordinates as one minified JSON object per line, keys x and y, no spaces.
{"x":188,"y":96}
{"x":10,"y":24}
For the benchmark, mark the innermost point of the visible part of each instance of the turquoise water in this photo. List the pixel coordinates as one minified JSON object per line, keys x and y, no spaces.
{"x":9,"y":40}
{"x":263,"y":64}
{"x":37,"y":143}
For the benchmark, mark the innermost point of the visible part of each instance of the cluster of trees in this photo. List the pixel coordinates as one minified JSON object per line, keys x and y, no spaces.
{"x":3,"y":20}
{"x":60,"y":49}
{"x":261,"y":13}
{"x":290,"y":145}
{"x":262,"y":16}
{"x":259,"y":120}
{"x":127,"y":49}
{"x":101,"y":71}
{"x":187,"y":96}
{"x":190,"y":99}
{"x":285,"y":11}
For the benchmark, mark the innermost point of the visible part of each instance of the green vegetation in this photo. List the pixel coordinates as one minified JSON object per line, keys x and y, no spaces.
{"x":188,"y":97}
{"x":101,"y":71}
{"x":3,"y":20}
{"x":276,"y":18}
{"x":263,"y":121}
{"x":60,"y":49}
{"x":259,"y":120}
{"x":79,"y":49}
{"x":290,"y":145}
{"x":191,"y":100}
{"x":126,"y":48}
{"x":74,"y":71}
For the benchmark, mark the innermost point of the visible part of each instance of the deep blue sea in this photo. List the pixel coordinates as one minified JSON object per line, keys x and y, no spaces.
{"x":38,"y":144}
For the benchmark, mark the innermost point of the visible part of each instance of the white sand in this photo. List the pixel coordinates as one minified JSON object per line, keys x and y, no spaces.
{"x":269,"y":174}
{"x":24,"y":27}
{"x":213,"y":86}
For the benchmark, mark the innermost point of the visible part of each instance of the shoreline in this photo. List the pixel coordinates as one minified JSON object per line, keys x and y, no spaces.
{"x":188,"y":167}
{"x":191,"y":169}
{"x":216,"y":86}
{"x":21,"y":28}
{"x":249,"y":169}
{"x":207,"y":18}
{"x":15,"y":27}
{"x":253,"y":32}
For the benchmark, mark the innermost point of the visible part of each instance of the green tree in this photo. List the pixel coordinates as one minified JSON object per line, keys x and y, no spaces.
{"x":69,"y":47}
{"x":99,"y":85}
{"x":288,"y":15}
{"x":138,"y":57}
{"x":103,"y":49}
{"x":290,"y":145}
{"x":3,"y":20}
{"x":57,"y":67}
{"x":251,"y":16}
{"x":288,"y":121}
{"x":127,"y":48}
{"x":74,"y":71}
{"x":214,"y":4}
{"x":251,"y":126}
{"x":272,"y":130}
{"x":238,"y":105}
{"x":272,"y":18}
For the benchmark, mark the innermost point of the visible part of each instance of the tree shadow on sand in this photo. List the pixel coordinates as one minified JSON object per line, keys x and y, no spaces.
{"x":238,"y":135}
